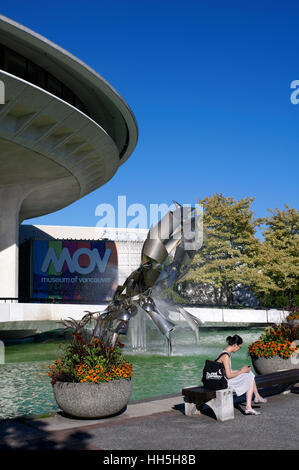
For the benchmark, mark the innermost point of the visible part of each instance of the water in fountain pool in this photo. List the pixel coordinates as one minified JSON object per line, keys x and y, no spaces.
{"x":25,"y":387}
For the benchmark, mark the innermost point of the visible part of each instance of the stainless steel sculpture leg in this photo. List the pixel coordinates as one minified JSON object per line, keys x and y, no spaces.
{"x":164,"y":325}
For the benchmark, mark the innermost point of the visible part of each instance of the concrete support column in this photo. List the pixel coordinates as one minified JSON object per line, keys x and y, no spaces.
{"x":11,"y":198}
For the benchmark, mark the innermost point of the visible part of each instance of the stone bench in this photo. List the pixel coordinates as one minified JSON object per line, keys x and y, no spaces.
{"x":221,"y":401}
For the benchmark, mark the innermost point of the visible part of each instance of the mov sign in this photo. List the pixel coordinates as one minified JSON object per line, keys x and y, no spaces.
{"x":74,"y":270}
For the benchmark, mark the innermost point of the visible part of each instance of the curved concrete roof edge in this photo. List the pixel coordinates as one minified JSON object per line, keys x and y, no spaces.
{"x":87,"y":72}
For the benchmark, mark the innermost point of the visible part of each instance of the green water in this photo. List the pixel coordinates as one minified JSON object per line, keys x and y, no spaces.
{"x":25,"y":388}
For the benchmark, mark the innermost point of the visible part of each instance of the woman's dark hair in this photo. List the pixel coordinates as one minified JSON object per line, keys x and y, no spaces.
{"x":236,"y":339}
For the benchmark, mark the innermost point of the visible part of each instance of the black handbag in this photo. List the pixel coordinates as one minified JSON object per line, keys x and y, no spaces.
{"x":213,"y":376}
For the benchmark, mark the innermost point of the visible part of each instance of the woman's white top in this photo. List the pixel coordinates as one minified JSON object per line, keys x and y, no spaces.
{"x":242,"y":382}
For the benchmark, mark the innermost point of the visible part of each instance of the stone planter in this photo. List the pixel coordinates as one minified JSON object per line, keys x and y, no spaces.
{"x":267,"y":365}
{"x":90,"y":400}
{"x":293,"y":323}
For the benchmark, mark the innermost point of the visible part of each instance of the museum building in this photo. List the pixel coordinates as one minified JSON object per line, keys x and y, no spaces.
{"x":64,"y":132}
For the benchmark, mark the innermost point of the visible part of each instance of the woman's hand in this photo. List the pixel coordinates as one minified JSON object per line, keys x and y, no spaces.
{"x":245,"y":369}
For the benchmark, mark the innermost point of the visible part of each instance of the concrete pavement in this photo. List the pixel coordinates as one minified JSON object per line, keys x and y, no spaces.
{"x":160,"y":424}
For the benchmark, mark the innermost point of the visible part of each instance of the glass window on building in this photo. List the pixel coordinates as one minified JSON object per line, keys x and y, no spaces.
{"x":80,"y":105}
{"x":32,"y":73}
{"x":68,"y":95}
{"x":54,"y":86}
{"x":1,"y":57}
{"x":20,"y":66}
{"x":15,"y":64}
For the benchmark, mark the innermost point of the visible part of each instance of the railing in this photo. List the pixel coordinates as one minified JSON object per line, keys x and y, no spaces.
{"x":51,"y":301}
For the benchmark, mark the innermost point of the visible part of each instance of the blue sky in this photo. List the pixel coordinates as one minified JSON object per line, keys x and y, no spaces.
{"x":209,"y":84}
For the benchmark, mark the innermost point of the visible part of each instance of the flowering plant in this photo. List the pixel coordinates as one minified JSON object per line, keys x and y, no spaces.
{"x":279,"y":333}
{"x":89,"y":359}
{"x":271,"y":348}
{"x":293,"y":315}
{"x":275,"y":341}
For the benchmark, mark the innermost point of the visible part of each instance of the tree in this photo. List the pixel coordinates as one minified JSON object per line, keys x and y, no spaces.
{"x":227,"y":257}
{"x":278,"y":255}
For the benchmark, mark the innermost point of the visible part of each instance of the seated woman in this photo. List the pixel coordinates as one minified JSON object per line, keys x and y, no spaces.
{"x":243,"y":380}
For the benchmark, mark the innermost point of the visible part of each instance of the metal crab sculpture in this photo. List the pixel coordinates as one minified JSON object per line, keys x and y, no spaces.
{"x":175,"y":234}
